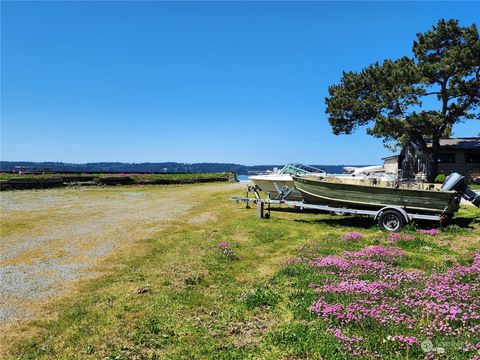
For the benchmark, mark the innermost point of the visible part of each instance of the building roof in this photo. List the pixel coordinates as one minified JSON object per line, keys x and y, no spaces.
{"x":460,"y":143}
{"x":390,"y":157}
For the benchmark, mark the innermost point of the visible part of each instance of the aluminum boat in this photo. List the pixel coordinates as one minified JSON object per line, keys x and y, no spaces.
{"x":368,"y":194}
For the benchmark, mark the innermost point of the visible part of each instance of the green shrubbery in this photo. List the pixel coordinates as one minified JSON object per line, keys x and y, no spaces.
{"x":440,"y":178}
{"x":9,"y":181}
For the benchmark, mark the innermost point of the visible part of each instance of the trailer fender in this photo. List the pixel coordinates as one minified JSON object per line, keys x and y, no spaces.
{"x":399,"y":209}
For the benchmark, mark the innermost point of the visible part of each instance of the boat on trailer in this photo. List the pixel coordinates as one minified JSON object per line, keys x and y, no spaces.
{"x":408,"y":195}
{"x":280,"y":182}
{"x":391,"y":217}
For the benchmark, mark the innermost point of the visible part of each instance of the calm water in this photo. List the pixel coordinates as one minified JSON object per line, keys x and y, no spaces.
{"x":242,"y":177}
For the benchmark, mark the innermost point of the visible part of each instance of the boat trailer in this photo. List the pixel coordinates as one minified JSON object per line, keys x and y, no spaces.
{"x":390,"y":218}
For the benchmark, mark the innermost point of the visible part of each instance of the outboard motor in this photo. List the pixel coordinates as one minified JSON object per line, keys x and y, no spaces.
{"x":456,"y":182}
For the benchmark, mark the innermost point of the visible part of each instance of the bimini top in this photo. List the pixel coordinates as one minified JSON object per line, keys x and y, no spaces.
{"x":300,"y":169}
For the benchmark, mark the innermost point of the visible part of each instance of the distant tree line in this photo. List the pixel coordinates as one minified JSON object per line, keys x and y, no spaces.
{"x":167,"y":167}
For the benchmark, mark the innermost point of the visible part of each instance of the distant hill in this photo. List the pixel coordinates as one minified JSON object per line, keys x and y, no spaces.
{"x":167,"y":167}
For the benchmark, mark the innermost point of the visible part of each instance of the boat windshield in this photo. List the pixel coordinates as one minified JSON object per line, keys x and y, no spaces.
{"x":300,"y":169}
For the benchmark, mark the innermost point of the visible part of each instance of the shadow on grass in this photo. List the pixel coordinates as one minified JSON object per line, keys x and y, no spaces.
{"x":461,"y":222}
{"x":341,"y":221}
{"x":365,"y":222}
{"x":297,"y":210}
{"x":327,"y":219}
{"x":464,"y":222}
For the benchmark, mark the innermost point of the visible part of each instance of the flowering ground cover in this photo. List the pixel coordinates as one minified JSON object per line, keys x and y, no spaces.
{"x":373,"y":304}
{"x":296,"y":286}
{"x":366,"y":290}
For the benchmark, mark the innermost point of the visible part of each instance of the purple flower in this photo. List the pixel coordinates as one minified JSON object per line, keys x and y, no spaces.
{"x":331,"y":262}
{"x":366,"y":289}
{"x":394,"y":237}
{"x":406,"y":340}
{"x":352,"y":236}
{"x":351,"y":343}
{"x":223,"y":245}
{"x":376,"y":252}
{"x":358,"y":287}
{"x":431,"y":232}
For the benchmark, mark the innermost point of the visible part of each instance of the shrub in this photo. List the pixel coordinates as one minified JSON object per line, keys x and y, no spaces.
{"x":440,"y":178}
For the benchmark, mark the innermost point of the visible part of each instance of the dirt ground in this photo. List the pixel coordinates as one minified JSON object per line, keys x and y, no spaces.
{"x":51,"y":238}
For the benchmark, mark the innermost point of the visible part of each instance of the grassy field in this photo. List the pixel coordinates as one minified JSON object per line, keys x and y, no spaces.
{"x":220,"y":283}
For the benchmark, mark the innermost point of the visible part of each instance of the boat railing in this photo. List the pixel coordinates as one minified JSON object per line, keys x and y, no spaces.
{"x":300,"y":169}
{"x":294,"y":169}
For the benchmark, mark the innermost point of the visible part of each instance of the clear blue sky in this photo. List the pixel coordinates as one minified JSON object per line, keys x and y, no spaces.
{"x":195,"y":82}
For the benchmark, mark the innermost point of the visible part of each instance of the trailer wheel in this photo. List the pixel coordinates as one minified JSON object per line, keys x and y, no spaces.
{"x":391,"y":220}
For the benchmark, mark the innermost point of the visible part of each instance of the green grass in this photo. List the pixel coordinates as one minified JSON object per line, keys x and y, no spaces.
{"x":179,"y":176}
{"x":8,"y":176}
{"x":200,"y":303}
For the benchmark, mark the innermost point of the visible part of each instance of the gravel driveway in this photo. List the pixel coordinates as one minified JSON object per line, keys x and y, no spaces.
{"x":50,"y":238}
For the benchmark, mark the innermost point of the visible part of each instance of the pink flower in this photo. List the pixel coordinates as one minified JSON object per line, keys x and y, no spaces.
{"x":358,"y":287}
{"x":337,"y":332}
{"x":431,"y":232}
{"x":351,"y":343}
{"x":331,"y":262}
{"x":394,"y":237}
{"x":365,"y":288}
{"x":376,"y":252}
{"x":352,"y":236}
{"x":406,"y":340}
{"x":223,"y":245}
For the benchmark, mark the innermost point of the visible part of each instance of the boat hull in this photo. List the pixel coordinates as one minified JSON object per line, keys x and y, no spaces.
{"x":340,"y":194}
{"x":268,"y":186}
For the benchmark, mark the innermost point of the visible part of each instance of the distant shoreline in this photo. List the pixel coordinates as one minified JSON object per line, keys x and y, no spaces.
{"x":148,"y":168}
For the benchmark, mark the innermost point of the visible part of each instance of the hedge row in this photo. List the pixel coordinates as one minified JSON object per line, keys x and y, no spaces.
{"x":23,"y":183}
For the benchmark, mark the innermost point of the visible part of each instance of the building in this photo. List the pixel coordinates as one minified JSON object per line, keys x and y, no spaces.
{"x":460,"y":155}
{"x":391,"y":164}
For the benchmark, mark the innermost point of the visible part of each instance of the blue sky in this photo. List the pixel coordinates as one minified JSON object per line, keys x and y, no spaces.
{"x":195,"y":82}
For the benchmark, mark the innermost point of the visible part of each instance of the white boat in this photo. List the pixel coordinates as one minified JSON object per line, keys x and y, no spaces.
{"x":279,"y":184}
{"x":365,"y":170}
